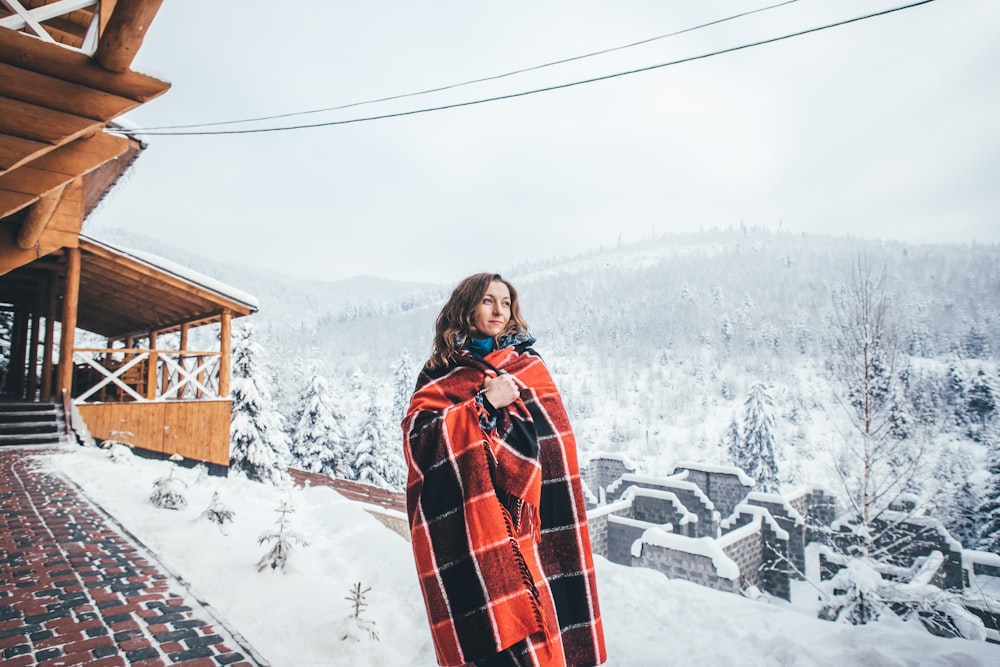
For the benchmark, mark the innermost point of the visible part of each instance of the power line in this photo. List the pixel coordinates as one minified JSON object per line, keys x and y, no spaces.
{"x":480,"y":80}
{"x":534,"y":91}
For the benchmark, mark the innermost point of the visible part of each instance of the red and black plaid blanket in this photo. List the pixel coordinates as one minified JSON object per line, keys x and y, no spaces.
{"x":497,"y":518}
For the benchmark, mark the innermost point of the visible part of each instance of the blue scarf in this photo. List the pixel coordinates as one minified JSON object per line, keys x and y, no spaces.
{"x":481,"y":346}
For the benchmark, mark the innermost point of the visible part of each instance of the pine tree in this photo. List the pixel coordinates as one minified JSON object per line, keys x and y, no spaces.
{"x":319,"y":440}
{"x":989,"y":510}
{"x":377,"y":456}
{"x":732,"y":440}
{"x":404,"y":381}
{"x":956,"y":501}
{"x":980,"y":406}
{"x":755,"y":455}
{"x":259,"y":446}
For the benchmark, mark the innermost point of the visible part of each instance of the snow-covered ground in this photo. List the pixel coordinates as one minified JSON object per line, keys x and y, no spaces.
{"x":298,"y":617}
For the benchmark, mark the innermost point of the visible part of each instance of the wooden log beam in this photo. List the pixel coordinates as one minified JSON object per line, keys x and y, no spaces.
{"x":56,"y":61}
{"x":124,"y":33}
{"x":21,"y":84}
{"x":36,"y":123}
{"x":71,"y":303}
{"x":62,"y":231}
{"x":38,"y":218}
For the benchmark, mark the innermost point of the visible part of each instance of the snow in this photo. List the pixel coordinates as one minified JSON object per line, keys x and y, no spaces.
{"x":759,"y":512}
{"x":183,"y":273}
{"x":725,"y":567}
{"x":297,"y":618}
{"x":745,"y":479}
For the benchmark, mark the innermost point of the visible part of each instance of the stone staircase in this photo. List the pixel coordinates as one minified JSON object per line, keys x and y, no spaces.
{"x":25,"y":423}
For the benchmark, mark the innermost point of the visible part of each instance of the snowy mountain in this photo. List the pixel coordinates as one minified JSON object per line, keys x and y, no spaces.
{"x":655,"y":346}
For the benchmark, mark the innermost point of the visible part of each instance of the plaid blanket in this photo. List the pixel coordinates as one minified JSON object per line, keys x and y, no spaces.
{"x":497,"y":520}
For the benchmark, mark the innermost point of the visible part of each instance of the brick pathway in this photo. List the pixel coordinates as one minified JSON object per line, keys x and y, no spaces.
{"x":75,"y":589}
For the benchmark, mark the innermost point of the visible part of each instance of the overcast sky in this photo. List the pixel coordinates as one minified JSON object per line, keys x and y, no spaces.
{"x":885,"y":128}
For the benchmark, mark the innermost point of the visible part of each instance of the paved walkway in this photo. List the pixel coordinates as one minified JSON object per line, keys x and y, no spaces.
{"x":77,"y":589}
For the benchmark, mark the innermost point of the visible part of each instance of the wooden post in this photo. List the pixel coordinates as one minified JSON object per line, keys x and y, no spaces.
{"x":124,"y":33}
{"x":18,"y":350}
{"x":36,"y":318}
{"x":71,"y":300}
{"x":50,"y":343}
{"x":151,"y":368}
{"x":182,"y":360}
{"x":225,"y":352}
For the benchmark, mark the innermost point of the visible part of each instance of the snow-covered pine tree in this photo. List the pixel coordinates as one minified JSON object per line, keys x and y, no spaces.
{"x":404,"y":381}
{"x":981,"y":405}
{"x":755,"y":451}
{"x":218,"y":513}
{"x":732,"y":440}
{"x":377,"y":455}
{"x":258,"y":444}
{"x":168,"y":491}
{"x":989,"y":510}
{"x":956,"y":500}
{"x":283,"y":538}
{"x":319,"y":440}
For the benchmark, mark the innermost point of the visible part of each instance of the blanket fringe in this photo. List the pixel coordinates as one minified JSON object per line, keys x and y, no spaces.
{"x":529,"y":581}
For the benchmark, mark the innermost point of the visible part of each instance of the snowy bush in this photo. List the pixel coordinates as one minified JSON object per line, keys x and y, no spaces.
{"x":168,"y":492}
{"x":218,"y":513}
{"x":355,"y":627}
{"x":283,"y":540}
{"x":120,"y":453}
{"x":864,"y":591}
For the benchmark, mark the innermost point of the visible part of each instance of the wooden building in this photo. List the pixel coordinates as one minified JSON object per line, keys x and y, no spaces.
{"x":64,"y":78}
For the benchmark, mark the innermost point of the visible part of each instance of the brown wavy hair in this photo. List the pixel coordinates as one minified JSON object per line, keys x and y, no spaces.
{"x":454,"y":323}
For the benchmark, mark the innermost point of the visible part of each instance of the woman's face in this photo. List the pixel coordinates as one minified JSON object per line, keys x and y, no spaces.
{"x":493,"y":312}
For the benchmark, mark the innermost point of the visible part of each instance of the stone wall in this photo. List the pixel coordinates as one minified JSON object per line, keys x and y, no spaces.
{"x":697,"y":568}
{"x":600,"y":472}
{"x":622,"y":534}
{"x":663,"y":507}
{"x":726,"y":487}
{"x":792,"y":522}
{"x":745,"y":547}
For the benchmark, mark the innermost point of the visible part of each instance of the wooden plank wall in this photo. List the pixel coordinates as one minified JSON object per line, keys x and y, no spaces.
{"x":197,"y":430}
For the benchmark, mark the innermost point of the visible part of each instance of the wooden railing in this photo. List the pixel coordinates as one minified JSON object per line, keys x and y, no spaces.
{"x":140,"y":375}
{"x":30,"y":19}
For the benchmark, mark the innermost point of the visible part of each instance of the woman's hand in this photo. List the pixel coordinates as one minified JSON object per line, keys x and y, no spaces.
{"x":501,"y":390}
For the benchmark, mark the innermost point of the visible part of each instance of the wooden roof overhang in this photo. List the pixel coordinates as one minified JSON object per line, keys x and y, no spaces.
{"x":124,"y":294}
{"x":56,"y":101}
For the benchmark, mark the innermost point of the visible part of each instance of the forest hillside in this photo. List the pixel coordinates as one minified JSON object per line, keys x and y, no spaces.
{"x":656,"y":346}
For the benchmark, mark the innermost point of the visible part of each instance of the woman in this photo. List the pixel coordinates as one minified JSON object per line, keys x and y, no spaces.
{"x":493,"y":494}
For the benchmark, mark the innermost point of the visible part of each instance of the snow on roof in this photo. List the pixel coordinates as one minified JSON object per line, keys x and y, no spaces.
{"x":974,"y":557}
{"x":638,"y":523}
{"x":760,"y":513}
{"x":849,"y":520}
{"x":182,"y":272}
{"x":777,"y":499}
{"x":591,"y":456}
{"x":687,"y":516}
{"x":725,"y":567}
{"x":802,"y":490}
{"x":671,"y":482}
{"x":610,"y":508}
{"x":587,"y":493}
{"x":708,"y":467}
{"x":734,"y":536}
